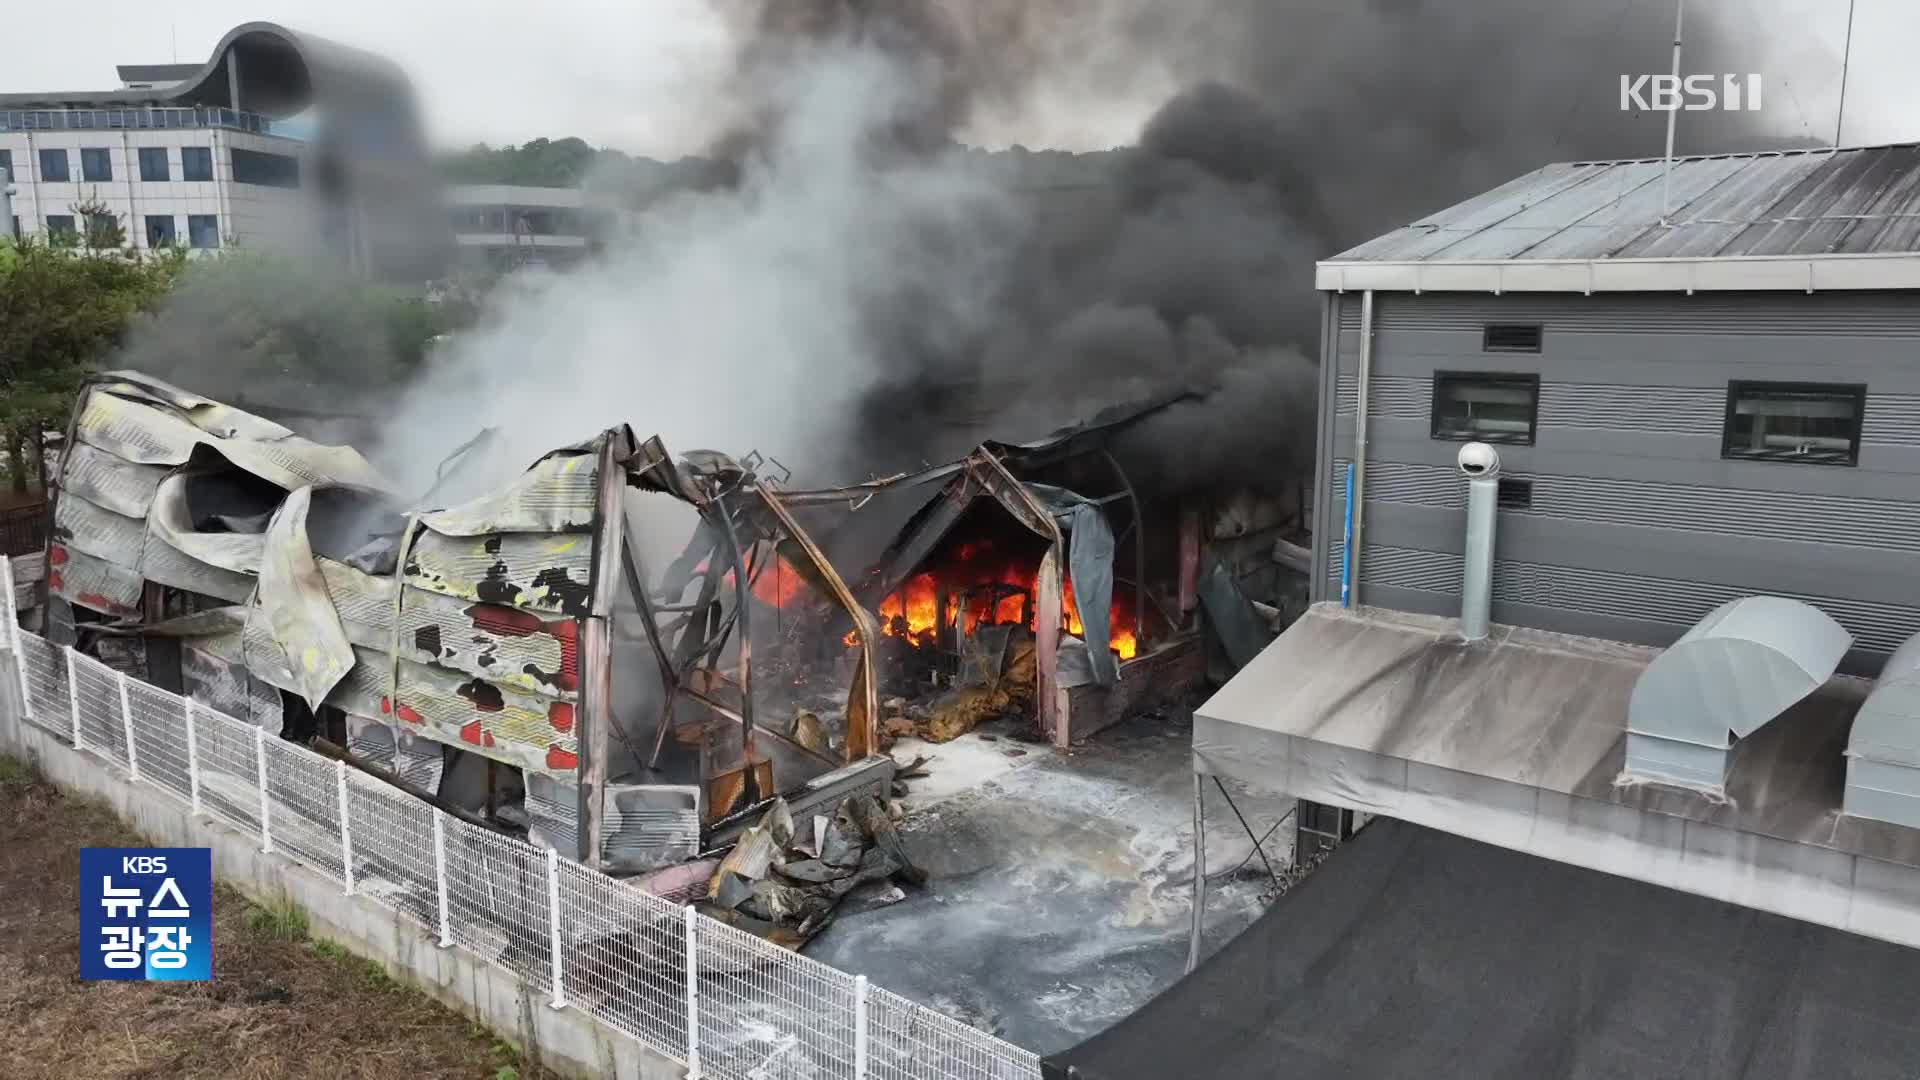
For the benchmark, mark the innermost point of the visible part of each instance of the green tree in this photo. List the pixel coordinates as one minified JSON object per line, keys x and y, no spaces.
{"x":61,"y":311}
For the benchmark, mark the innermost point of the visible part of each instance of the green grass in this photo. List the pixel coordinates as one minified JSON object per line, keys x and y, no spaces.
{"x":282,"y":919}
{"x":15,"y":773}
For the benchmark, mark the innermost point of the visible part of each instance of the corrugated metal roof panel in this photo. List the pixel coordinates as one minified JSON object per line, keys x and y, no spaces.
{"x":1857,"y":200}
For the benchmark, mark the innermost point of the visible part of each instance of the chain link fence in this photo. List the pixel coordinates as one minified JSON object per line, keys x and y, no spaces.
{"x":724,"y":1002}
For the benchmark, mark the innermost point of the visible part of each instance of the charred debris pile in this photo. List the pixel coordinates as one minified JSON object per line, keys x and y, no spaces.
{"x":714,"y":728}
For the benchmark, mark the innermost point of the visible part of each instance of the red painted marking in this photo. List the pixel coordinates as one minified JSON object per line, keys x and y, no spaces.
{"x":55,"y":581}
{"x":408,"y":714}
{"x":562,"y":759}
{"x":504,"y":621}
{"x":386,"y":705}
{"x":486,"y":738}
{"x":560,"y":715}
{"x":99,"y":603}
{"x":568,"y":678}
{"x":58,"y":556}
{"x":471,"y":732}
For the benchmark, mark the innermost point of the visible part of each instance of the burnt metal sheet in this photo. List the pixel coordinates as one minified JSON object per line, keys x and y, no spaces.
{"x":171,"y":521}
{"x":83,"y":526}
{"x":146,"y":433}
{"x":165,"y":564}
{"x":499,"y":722}
{"x":101,"y":478}
{"x":415,"y":760}
{"x":541,"y":572}
{"x":293,"y":598}
{"x":522,"y":649}
{"x":555,"y":495}
{"x":93,"y":583}
{"x":364,"y":690}
{"x":364,"y":603}
{"x":1861,"y":200}
{"x":214,"y":674}
{"x":134,"y":430}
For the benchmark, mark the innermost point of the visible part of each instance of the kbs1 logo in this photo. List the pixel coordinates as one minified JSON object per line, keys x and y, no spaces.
{"x":1694,"y":93}
{"x":146,"y":913}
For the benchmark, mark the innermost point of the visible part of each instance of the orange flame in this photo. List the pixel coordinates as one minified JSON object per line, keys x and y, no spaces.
{"x":914,"y":610}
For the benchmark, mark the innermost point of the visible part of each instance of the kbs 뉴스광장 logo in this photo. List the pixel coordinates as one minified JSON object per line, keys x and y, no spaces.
{"x":146,"y":913}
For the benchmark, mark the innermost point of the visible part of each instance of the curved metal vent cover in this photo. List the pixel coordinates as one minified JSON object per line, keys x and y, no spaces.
{"x":1883,"y":752}
{"x":1736,"y":669}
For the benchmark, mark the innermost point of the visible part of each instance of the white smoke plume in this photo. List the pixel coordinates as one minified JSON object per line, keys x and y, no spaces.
{"x":734,"y":320}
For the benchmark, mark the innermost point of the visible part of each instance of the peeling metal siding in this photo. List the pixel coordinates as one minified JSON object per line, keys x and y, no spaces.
{"x":503,"y":723}
{"x":92,"y":583}
{"x":1856,"y":201}
{"x":83,"y":526}
{"x":364,"y":603}
{"x":101,"y":478}
{"x":417,"y":761}
{"x":225,"y":684}
{"x":508,"y":646}
{"x":171,"y":521}
{"x":540,"y":572}
{"x":136,"y":432}
{"x":555,"y":495}
{"x":165,"y":564}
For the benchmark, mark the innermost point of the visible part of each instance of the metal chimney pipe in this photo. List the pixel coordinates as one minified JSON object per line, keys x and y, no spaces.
{"x":1481,"y":466}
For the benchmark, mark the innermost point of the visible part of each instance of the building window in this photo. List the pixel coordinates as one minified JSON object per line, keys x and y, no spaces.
{"x":60,"y":228}
{"x":196,"y":163}
{"x":153,"y":164}
{"x":96,"y":167}
{"x":1487,"y":406}
{"x":1516,"y":493}
{"x":267,"y":170}
{"x":1511,"y":337}
{"x":6,"y":165}
{"x":53,"y":167}
{"x":1806,"y":423}
{"x":160,"y":232}
{"x":203,"y":230}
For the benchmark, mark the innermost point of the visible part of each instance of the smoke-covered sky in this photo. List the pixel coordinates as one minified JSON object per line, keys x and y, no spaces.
{"x":871,"y":294}
{"x":636,"y":76}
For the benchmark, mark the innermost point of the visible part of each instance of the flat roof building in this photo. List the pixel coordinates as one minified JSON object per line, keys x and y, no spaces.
{"x":1697,"y":543}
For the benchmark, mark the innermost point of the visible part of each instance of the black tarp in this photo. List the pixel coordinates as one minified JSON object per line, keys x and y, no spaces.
{"x":1413,"y":953}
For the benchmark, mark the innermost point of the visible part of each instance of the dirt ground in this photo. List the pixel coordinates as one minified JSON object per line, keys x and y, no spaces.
{"x":279,"y":1005}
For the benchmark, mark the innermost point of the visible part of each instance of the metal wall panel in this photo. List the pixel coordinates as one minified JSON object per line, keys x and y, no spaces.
{"x":539,"y":571}
{"x":1637,"y":526}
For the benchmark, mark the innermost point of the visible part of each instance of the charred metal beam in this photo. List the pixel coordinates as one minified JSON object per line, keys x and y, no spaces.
{"x":1139,"y":550}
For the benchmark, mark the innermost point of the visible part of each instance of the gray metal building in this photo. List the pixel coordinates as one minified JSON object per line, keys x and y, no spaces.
{"x":1690,"y":407}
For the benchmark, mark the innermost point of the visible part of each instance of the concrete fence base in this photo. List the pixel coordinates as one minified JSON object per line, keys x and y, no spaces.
{"x":567,"y":1041}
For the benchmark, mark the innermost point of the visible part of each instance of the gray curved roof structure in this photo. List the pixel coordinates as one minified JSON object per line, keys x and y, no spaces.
{"x":261,"y":67}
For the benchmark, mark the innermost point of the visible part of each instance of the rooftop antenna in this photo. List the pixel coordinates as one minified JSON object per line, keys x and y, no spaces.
{"x":1846,"y":58}
{"x":1673,"y":114}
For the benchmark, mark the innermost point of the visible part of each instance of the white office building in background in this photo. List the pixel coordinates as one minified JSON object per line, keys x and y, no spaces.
{"x":280,"y":140}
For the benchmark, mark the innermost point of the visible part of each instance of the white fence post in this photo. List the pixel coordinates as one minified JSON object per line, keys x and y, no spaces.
{"x":260,"y":767}
{"x":126,"y":725}
{"x":13,"y":637}
{"x":553,"y":924}
{"x":693,"y":993}
{"x":440,"y":874}
{"x":73,"y":696}
{"x":346,"y":835}
{"x":193,"y":761}
{"x":859,"y":1027}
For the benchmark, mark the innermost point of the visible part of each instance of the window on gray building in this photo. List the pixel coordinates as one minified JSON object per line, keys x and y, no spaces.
{"x":196,"y":163}
{"x":96,"y":165}
{"x":1807,"y":423}
{"x":60,"y":228}
{"x":153,"y":164}
{"x":6,"y":164}
{"x":53,"y":166}
{"x":267,"y":170}
{"x":160,"y":232}
{"x":1488,"y":406}
{"x":203,"y":230}
{"x":1511,"y":337}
